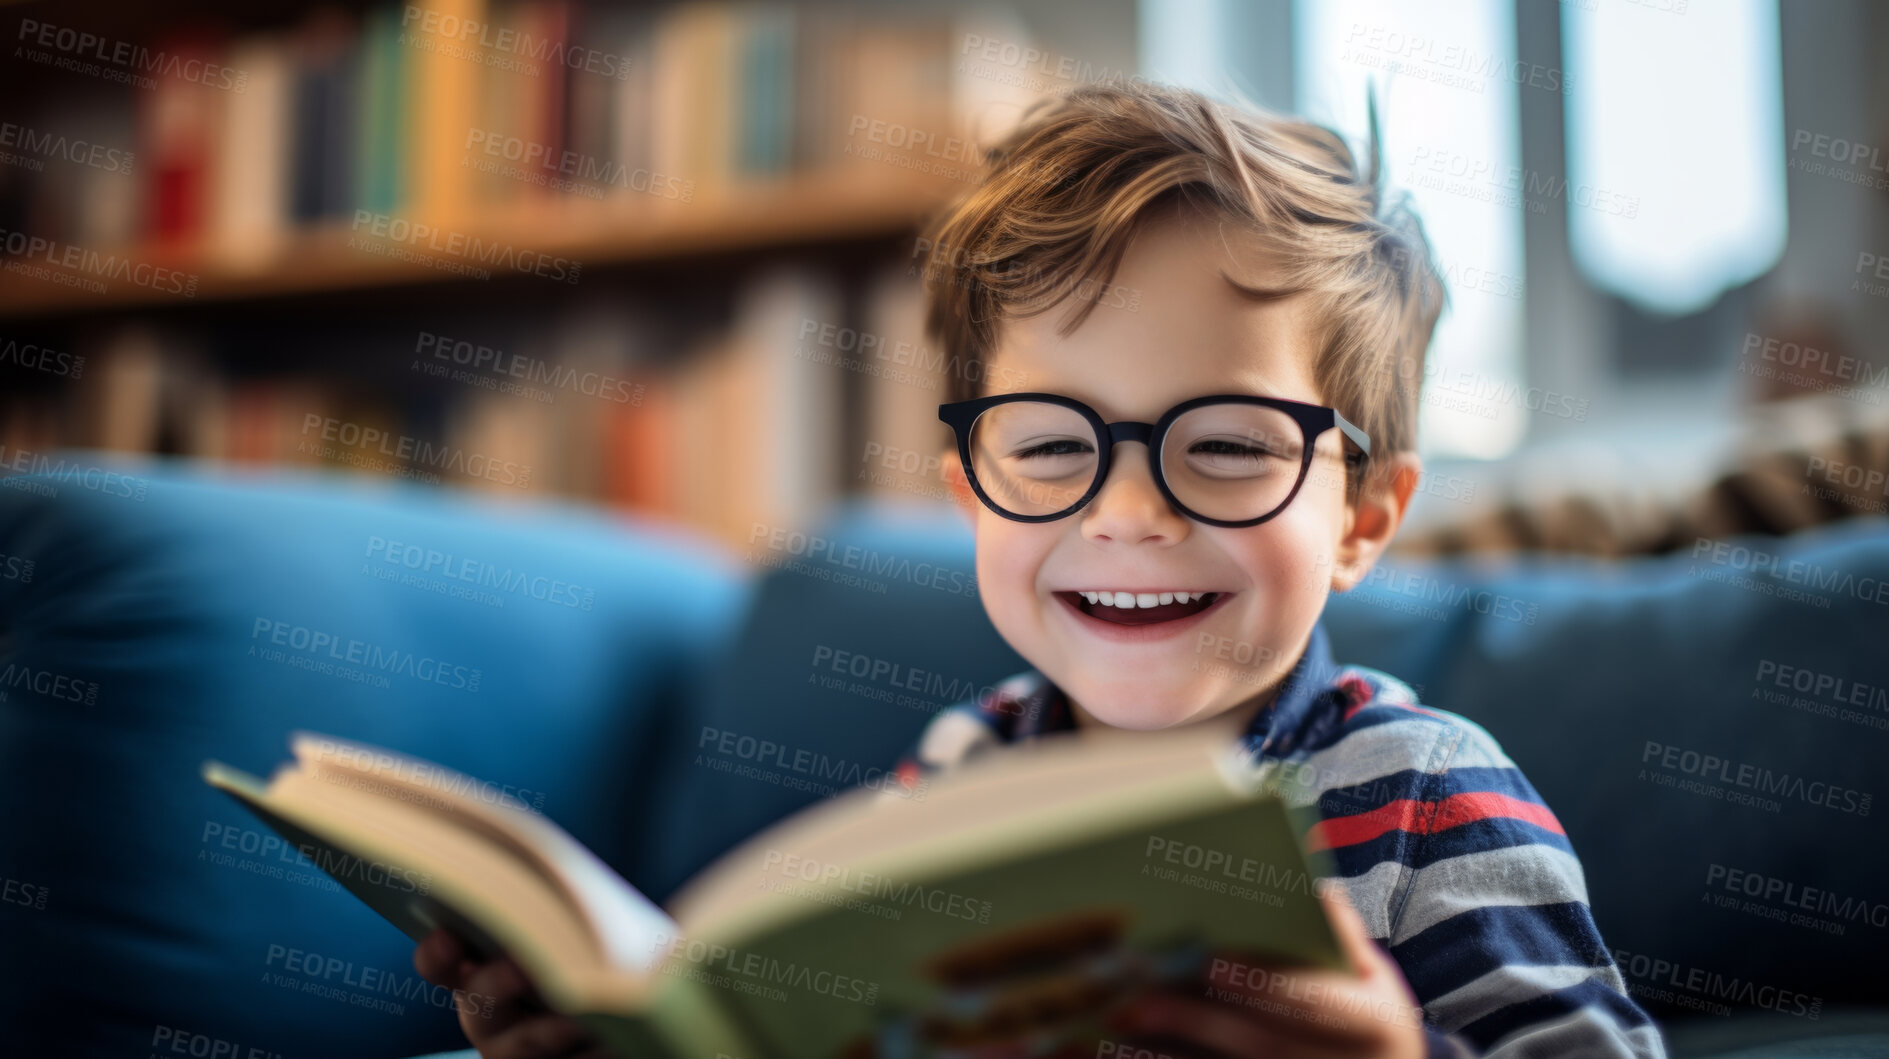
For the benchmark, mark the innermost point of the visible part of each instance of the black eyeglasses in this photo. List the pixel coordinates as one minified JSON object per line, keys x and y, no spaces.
{"x":1225,"y":459}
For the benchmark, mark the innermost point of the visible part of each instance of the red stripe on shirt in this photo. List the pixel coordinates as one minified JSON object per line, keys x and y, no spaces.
{"x":1352,"y":710}
{"x":1421,"y":818}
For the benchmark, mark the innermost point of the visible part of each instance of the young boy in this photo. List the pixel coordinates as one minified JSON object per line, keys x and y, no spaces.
{"x":1262,"y":306}
{"x":1198,"y":316}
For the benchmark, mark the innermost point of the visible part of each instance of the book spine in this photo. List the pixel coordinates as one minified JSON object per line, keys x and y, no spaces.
{"x":380,"y":114}
{"x":443,"y":86}
{"x":181,"y":124}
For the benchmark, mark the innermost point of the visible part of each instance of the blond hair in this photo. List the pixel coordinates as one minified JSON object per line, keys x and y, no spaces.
{"x":1067,"y":187}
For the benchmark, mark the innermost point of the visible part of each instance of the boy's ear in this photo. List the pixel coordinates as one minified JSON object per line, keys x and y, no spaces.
{"x":1372,"y":519}
{"x":953,"y":470}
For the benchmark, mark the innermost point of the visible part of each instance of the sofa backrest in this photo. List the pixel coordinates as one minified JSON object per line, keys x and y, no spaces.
{"x":665,"y":703}
{"x":153,"y":618}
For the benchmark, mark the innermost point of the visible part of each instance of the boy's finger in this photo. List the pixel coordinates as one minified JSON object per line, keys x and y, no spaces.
{"x":475,"y":1005}
{"x":438,"y":958}
{"x":1372,"y":960}
{"x":546,"y":1035}
{"x":484,"y":1019}
{"x":499,"y":979}
{"x":1353,"y":936}
{"x":1297,"y":1002}
{"x":1222,"y":1029}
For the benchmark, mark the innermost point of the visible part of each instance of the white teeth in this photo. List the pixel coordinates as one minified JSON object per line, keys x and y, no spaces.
{"x":1132,"y":600}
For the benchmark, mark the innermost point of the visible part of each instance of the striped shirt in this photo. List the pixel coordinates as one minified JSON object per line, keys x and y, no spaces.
{"x":1459,"y":870}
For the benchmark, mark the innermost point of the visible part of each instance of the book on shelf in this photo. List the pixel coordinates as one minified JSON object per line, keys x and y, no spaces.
{"x":744,"y":428}
{"x":382,"y":121}
{"x":1021,"y":897}
{"x":472,"y":116}
{"x":907,"y":381}
{"x":251,"y":207}
{"x":179,"y":129}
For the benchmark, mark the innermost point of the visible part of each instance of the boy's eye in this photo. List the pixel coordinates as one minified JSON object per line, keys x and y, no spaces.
{"x":1235,"y":448}
{"x":1236,"y":458}
{"x":1058,"y":447}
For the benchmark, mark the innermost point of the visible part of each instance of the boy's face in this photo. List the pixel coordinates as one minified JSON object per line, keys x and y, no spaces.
{"x":1191,"y":335}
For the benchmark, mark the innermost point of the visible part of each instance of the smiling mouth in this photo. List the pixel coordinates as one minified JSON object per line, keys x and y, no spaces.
{"x":1137,"y":614}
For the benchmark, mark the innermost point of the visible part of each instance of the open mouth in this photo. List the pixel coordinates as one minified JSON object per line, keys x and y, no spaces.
{"x":1142,"y":608}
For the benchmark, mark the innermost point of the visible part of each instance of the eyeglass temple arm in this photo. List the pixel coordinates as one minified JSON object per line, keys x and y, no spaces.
{"x":1352,"y":431}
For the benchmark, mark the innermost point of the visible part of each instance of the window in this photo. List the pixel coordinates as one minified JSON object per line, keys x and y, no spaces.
{"x":1446,"y":82}
{"x":1675,"y":185}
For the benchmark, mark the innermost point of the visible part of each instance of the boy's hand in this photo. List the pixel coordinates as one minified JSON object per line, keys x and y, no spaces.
{"x":1248,"y":1008}
{"x":498,"y":1011}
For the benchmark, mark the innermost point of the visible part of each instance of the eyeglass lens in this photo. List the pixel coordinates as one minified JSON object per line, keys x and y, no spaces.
{"x":1232,"y":461}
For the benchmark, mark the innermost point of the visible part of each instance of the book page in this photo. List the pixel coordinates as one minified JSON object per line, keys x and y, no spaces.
{"x":630,"y":930}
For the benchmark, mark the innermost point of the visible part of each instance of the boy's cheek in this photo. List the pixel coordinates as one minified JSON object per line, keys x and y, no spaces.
{"x":951,"y":470}
{"x":1006,"y":575}
{"x":1283,"y":559}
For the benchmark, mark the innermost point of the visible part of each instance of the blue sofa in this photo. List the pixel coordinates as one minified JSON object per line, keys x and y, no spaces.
{"x":156,"y":614}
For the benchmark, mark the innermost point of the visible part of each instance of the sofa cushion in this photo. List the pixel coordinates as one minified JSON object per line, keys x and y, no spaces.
{"x":1709,"y":727}
{"x":153,"y":617}
{"x":860,"y":632}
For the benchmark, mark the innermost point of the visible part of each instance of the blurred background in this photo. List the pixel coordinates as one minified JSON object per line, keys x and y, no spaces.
{"x":662,"y":258}
{"x":588,"y":272}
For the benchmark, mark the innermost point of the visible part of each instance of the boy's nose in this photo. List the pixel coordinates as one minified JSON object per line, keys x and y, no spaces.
{"x":1129,"y":507}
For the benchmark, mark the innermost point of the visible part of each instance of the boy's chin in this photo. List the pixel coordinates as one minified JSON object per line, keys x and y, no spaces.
{"x":1142,"y":722}
{"x":1140,"y":714}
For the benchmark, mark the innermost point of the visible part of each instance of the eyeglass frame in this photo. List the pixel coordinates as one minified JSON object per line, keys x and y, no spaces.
{"x":1313,"y":420}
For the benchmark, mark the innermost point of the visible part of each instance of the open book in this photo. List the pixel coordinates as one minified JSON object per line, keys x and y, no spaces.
{"x":1017,"y":897}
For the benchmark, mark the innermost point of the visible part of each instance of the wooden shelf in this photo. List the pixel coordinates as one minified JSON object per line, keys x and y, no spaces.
{"x":807,"y":210}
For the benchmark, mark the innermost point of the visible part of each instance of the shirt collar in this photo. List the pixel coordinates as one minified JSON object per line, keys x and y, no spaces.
{"x":1276,"y":730}
{"x":1033,"y":705}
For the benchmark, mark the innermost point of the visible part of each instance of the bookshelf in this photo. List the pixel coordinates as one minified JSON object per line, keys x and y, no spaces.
{"x":644,"y":226}
{"x":819,"y":212}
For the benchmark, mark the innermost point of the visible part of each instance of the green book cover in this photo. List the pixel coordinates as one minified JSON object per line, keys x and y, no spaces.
{"x":766,"y":75}
{"x":381,"y":114}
